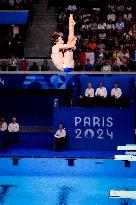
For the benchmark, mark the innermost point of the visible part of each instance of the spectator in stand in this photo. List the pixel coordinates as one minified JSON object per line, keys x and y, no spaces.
{"x":117,"y":54}
{"x":13,"y":129}
{"x":13,"y":63}
{"x":110,"y":40}
{"x":92,"y":25}
{"x":89,"y":92}
{"x":3,"y":66}
{"x":15,"y":4}
{"x":127,"y":37}
{"x":112,"y":6}
{"x":102,"y":54}
{"x":124,"y":59}
{"x":92,"y":45}
{"x":120,"y":6}
{"x":34,"y":67}
{"x":19,"y":47}
{"x":101,"y":91}
{"x":131,"y":64}
{"x":118,"y":59}
{"x":77,"y":64}
{"x":126,"y":53}
{"x":23,"y":65}
{"x":110,"y":26}
{"x":102,"y":36}
{"x":19,"y":3}
{"x":111,"y":17}
{"x":91,"y":56}
{"x":134,"y":36}
{"x":93,"y":35}
{"x":106,"y":66}
{"x":82,"y":58}
{"x":134,"y":27}
{"x":88,"y":66}
{"x":11,"y":3}
{"x":44,"y":66}
{"x":102,"y":25}
{"x":116,"y":21}
{"x":101,"y":45}
{"x":119,"y":25}
{"x":129,"y":6}
{"x":72,"y":7}
{"x":128,"y":16}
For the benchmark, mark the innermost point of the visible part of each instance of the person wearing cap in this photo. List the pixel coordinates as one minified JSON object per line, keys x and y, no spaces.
{"x":60,"y":136}
{"x":13,"y":129}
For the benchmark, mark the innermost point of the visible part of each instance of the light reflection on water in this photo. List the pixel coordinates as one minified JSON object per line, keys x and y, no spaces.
{"x":53,"y":182}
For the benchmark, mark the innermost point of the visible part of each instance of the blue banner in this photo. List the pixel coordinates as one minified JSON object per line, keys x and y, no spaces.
{"x":14,"y":17}
{"x":96,"y":128}
{"x":77,"y":83}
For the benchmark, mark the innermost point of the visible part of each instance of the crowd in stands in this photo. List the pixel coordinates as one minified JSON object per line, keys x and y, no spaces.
{"x":12,"y":37}
{"x":9,"y":133}
{"x":15,"y":4}
{"x":15,"y":64}
{"x":106,"y":33}
{"x":12,"y":40}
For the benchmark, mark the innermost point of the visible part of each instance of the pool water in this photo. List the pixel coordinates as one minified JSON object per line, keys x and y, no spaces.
{"x":53,"y":182}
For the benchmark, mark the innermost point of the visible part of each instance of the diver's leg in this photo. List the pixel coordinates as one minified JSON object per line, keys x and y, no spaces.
{"x":71,"y":29}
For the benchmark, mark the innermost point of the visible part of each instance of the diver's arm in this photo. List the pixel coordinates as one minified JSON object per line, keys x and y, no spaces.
{"x":68,"y":45}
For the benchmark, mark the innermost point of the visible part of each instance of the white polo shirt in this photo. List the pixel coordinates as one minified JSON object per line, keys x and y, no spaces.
{"x":91,"y":56}
{"x":72,"y":8}
{"x":3,"y":127}
{"x":128,"y":16}
{"x":89,"y":92}
{"x":117,"y":92}
{"x":111,"y":17}
{"x":60,"y":134}
{"x":102,"y":26}
{"x":13,"y":127}
{"x":110,"y":26}
{"x":102,"y":92}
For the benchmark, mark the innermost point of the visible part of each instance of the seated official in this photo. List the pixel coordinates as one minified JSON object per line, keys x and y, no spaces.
{"x":60,"y":136}
{"x":89,"y":92}
{"x":116,"y":96}
{"x":3,"y":130}
{"x":116,"y":92}
{"x":13,"y":129}
{"x":100,"y":95}
{"x":101,"y":91}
